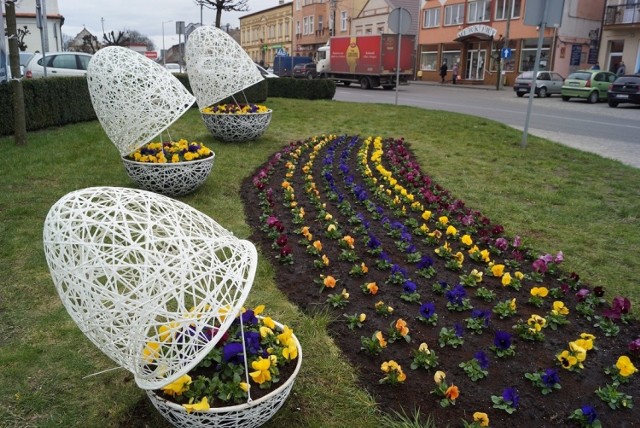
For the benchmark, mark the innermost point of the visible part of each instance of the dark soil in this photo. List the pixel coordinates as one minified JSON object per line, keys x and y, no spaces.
{"x":338,"y":161}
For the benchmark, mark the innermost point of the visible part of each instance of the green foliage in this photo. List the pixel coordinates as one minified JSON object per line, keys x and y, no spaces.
{"x":311,"y":89}
{"x":48,"y":102}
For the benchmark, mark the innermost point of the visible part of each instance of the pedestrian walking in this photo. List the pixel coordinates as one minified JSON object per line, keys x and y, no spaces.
{"x":454,"y":73}
{"x":621,"y":69}
{"x":443,"y":71}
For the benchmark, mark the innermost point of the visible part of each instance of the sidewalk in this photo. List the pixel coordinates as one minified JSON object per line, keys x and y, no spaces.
{"x":457,"y":85}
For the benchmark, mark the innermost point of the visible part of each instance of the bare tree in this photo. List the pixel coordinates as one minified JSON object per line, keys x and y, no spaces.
{"x":20,"y":35}
{"x":90,"y":44}
{"x":224,"y":5}
{"x":136,"y":37}
{"x":110,"y":39}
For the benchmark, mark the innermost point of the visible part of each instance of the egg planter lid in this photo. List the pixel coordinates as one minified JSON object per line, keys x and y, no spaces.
{"x":218,"y":66}
{"x":135,"y":99}
{"x":151,"y":281}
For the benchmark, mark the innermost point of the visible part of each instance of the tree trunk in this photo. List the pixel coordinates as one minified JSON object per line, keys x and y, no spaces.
{"x":19,"y":121}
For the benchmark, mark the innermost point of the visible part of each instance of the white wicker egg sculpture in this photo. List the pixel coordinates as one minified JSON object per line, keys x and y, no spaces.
{"x":218,"y":66}
{"x":151,"y":281}
{"x":135,"y":98}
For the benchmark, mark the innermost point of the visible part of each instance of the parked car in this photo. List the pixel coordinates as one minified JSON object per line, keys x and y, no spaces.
{"x":547,"y":83}
{"x":307,"y":70}
{"x":625,"y":89}
{"x":266,"y":73}
{"x":589,"y":84}
{"x":173,"y":67}
{"x":58,"y":64}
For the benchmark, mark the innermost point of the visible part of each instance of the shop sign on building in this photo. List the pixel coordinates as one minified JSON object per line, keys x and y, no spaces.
{"x":477,"y":29}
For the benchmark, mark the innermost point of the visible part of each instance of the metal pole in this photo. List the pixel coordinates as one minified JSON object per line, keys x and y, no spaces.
{"x":164,"y":51}
{"x":536,"y":66}
{"x":40,"y":25}
{"x":398,"y":58}
{"x":506,"y":44}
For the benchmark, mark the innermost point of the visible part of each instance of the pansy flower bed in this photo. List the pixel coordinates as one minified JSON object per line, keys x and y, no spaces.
{"x":434,"y":304}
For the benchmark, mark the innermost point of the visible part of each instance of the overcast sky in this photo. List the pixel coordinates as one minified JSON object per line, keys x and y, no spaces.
{"x":144,"y":16}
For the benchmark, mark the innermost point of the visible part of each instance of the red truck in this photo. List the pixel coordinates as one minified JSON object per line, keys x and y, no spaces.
{"x":369,"y":60}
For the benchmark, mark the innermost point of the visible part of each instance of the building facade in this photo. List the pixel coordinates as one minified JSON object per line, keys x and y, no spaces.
{"x":26,"y":19}
{"x":263,"y":34}
{"x":621,"y":36}
{"x":489,"y":39}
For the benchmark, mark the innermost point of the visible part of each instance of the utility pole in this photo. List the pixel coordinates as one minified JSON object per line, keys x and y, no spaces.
{"x":19,"y":120}
{"x":506,"y":44}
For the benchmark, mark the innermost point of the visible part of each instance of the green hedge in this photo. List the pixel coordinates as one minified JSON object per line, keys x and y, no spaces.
{"x":59,"y":101}
{"x":309,"y":89}
{"x":48,"y":102}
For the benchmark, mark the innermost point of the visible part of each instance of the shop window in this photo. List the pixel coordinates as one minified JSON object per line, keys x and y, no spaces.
{"x":454,"y":14}
{"x":450,"y":57}
{"x":528,"y":54}
{"x":428,"y":61}
{"x":479,"y":11}
{"x":431,"y":18}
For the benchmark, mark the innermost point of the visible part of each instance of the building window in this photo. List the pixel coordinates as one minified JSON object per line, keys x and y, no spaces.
{"x":298,"y":27}
{"x":320,"y":23}
{"x":528,"y":54}
{"x":479,"y":11}
{"x":311,"y":24}
{"x":272,"y":31}
{"x":380,"y":26}
{"x":450,"y":58}
{"x":454,"y":14}
{"x":431,"y":18}
{"x":343,"y":21}
{"x":501,"y":9}
{"x":428,"y":61}
{"x":298,"y":4}
{"x":305,"y":25}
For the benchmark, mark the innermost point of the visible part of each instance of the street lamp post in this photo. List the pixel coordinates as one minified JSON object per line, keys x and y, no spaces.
{"x":164,"y":52}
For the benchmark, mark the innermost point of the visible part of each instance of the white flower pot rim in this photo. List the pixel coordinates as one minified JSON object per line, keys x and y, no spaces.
{"x":168,"y":164}
{"x":252,"y":403}
{"x":236,"y":114}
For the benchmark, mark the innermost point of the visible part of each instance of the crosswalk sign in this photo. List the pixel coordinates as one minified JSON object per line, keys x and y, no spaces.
{"x":281,"y":52}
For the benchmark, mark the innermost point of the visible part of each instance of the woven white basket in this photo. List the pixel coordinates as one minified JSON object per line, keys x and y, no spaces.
{"x":129,"y":263}
{"x":218,"y":66}
{"x":237,"y":127}
{"x":249,"y":415}
{"x":135,"y":99}
{"x":172,"y":179}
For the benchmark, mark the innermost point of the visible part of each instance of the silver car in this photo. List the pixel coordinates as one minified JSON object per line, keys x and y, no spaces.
{"x":547,"y":83}
{"x":58,"y":64}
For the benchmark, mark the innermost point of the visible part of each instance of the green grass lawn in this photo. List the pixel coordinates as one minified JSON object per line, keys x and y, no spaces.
{"x":554,"y":197}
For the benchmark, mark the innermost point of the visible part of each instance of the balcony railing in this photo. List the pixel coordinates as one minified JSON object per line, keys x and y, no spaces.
{"x":628,"y":13}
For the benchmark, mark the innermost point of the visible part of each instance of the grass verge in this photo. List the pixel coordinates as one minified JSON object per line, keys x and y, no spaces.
{"x":555,"y":197}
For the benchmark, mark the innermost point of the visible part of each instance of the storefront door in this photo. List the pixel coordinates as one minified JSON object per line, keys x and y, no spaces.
{"x":475,"y":65}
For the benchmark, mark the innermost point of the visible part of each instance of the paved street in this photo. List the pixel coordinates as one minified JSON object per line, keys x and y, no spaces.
{"x":610,"y":132}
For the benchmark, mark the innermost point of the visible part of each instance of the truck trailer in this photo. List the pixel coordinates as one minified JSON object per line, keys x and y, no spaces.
{"x":369,"y":60}
{"x":283,"y":65}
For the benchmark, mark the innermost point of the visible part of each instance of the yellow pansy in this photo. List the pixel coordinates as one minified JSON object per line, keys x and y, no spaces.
{"x":201,"y":406}
{"x":178,"y":386}
{"x":625,"y":366}
{"x":466,"y":240}
{"x":261,"y":373}
{"x":497,"y":270}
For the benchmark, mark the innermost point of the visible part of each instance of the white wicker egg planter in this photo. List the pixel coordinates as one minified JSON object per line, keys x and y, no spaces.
{"x":237,"y":127}
{"x":247,"y":415}
{"x":171,"y":179}
{"x":128,"y":263}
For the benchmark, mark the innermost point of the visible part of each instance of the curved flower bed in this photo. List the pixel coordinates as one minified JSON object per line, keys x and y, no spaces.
{"x":435,"y":303}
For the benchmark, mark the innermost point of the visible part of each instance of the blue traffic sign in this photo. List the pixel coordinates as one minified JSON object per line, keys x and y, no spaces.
{"x":505,"y":53}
